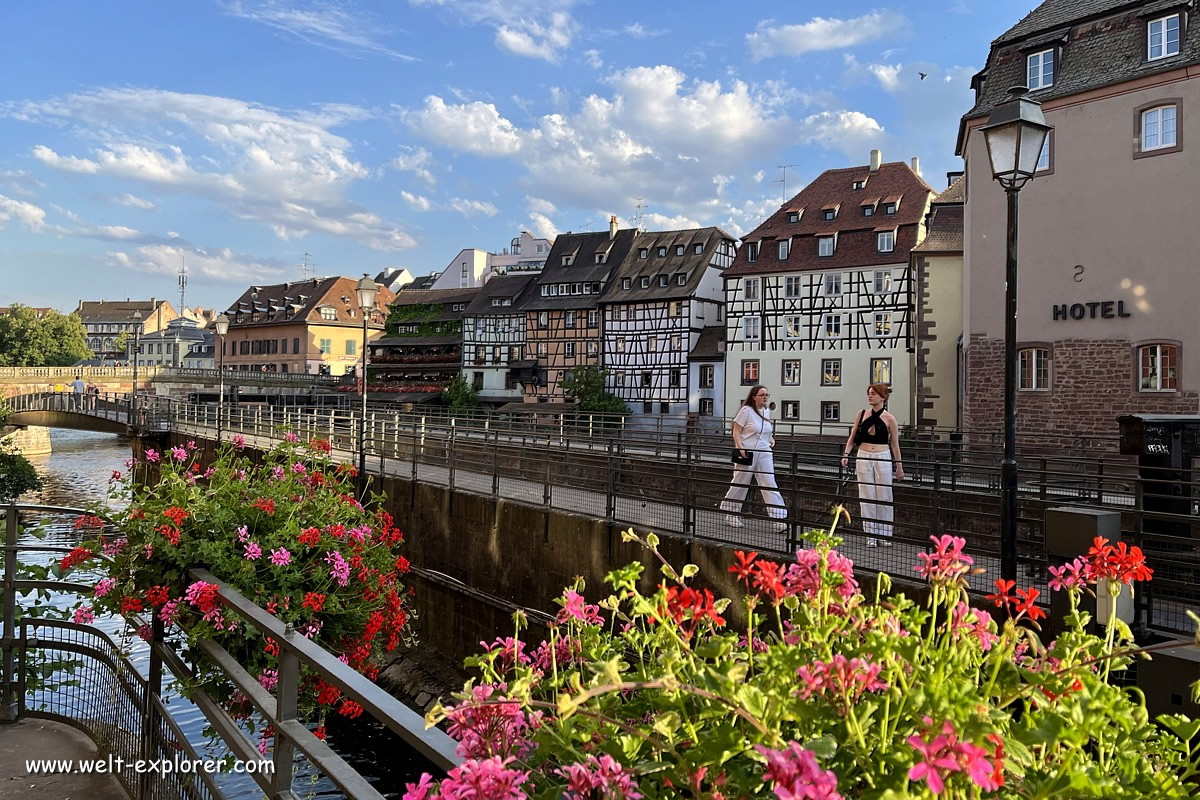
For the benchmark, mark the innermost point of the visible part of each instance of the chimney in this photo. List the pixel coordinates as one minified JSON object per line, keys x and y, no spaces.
{"x":916,"y":165}
{"x":612,"y":227}
{"x":876,"y":159}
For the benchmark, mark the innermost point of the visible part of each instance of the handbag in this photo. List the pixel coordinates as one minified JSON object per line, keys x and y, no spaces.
{"x":745,"y":461}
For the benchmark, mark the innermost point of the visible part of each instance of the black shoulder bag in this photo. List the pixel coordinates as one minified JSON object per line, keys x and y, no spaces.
{"x":737,"y":458}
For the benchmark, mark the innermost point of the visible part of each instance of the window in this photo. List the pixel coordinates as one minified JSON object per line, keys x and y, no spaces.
{"x":793,"y":217}
{"x":881,"y":370}
{"x":859,"y":184}
{"x":674,"y":379}
{"x":647,"y":379}
{"x":883,"y":323}
{"x":647,"y":407}
{"x":830,"y":213}
{"x":677,"y":308}
{"x":662,"y":252}
{"x":601,"y":258}
{"x":626,"y":283}
{"x":570,"y":350}
{"x":328,"y":313}
{"x":791,"y":409}
{"x":749,"y":372}
{"x":881,"y":281}
{"x":868,"y":211}
{"x":645,"y":283}
{"x":570,"y":319}
{"x":1163,"y":37}
{"x":783,"y":249}
{"x":793,"y":286}
{"x":296,"y":345}
{"x":567,"y":260}
{"x":1033,"y":369}
{"x":825,"y":246}
{"x":664,"y":408}
{"x":643,"y":252}
{"x":698,"y":248}
{"x":708,"y":376}
{"x":351,"y":347}
{"x":1043,"y":162}
{"x":541,"y":348}
{"x":543,"y":319}
{"x":664,"y":280}
{"x":889,"y":209}
{"x":681,"y":279}
{"x":283,"y":346}
{"x":831,"y":284}
{"x":831,"y":412}
{"x":791,"y":372}
{"x":326,"y":346}
{"x":652,"y":344}
{"x":751,"y":328}
{"x":885,"y":241}
{"x":593,"y":318}
{"x":831,"y":372}
{"x":1040,"y":67}
{"x":752,"y":251}
{"x":793,"y":326}
{"x":477,"y":381}
{"x":706,"y":407}
{"x":676,"y":342}
{"x":678,"y":249}
{"x":620,"y":378}
{"x":1157,"y":366}
{"x":622,"y":312}
{"x":593,"y":348}
{"x":510,"y":383}
{"x":620,"y":345}
{"x":831,"y":326}
{"x":1158,"y":128}
{"x":750,"y":289}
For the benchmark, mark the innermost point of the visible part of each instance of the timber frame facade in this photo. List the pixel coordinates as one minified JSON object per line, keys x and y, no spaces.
{"x":494,"y":337}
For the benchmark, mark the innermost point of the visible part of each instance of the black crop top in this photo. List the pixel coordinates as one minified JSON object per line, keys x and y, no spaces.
{"x":873,"y":430}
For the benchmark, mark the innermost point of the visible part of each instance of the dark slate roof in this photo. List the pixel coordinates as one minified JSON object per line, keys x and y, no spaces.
{"x":299,"y":301}
{"x":422,"y":283}
{"x":856,"y":241}
{"x":693,"y":266}
{"x":116,"y":310}
{"x":515,"y":287}
{"x":1103,"y":42}
{"x":446,"y":298}
{"x":710,"y":346}
{"x":583,"y":269}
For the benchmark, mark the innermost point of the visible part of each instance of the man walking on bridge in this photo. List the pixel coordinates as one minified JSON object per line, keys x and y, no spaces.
{"x":77,"y":389}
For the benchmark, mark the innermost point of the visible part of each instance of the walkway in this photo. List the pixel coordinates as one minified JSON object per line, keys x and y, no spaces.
{"x":38,"y":738}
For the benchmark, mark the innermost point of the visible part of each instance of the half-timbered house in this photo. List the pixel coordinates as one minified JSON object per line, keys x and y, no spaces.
{"x":494,"y":337}
{"x":667,"y":291}
{"x":818,"y":300}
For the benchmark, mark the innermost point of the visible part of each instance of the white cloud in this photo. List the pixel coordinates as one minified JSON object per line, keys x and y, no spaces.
{"x":593,"y":59}
{"x":473,"y":208}
{"x":472,"y":127}
{"x":285,"y":170}
{"x":172,"y":234}
{"x":528,"y":28}
{"x":820,"y":33}
{"x":20,"y":182}
{"x":661,"y":222}
{"x":543,"y":227}
{"x":321,"y":24}
{"x":888,"y":75}
{"x":853,"y":132}
{"x":532,"y":39}
{"x":416,"y":201}
{"x":132,"y":201}
{"x":758,"y":176}
{"x":639,"y":31}
{"x":416,"y":160}
{"x":221,"y":265}
{"x":540,"y":206}
{"x":31,"y":216}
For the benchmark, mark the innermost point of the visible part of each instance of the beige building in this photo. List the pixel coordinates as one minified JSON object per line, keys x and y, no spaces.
{"x":311,"y":326}
{"x":1107,"y":286}
{"x":105,"y":321}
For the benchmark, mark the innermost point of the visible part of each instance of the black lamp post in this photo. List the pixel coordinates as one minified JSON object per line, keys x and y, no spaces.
{"x":137,"y":346}
{"x":367,"y":289}
{"x":1015,"y":134}
{"x":221,"y":326}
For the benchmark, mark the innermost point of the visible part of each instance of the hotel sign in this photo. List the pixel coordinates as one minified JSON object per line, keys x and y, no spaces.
{"x":1096,"y":309}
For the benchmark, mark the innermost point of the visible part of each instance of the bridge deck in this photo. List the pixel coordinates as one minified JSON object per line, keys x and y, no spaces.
{"x":41,"y":739}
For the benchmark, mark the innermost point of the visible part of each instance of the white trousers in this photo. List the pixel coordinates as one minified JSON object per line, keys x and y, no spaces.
{"x":762,"y":472}
{"x":874,"y":472}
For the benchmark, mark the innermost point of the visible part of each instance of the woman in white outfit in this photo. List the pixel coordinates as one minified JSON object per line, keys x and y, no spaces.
{"x":878,"y":438}
{"x":753,"y":437}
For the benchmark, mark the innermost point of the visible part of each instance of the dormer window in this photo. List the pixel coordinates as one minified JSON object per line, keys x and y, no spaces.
{"x":678,"y":249}
{"x":662,"y":252}
{"x":1162,"y":37}
{"x":752,"y":251}
{"x":601,"y":258}
{"x":698,"y":248}
{"x":868,"y":211}
{"x":793,"y":217}
{"x":681,"y":279}
{"x":889,"y":209}
{"x":825,"y":246}
{"x":664,"y":280}
{"x":643,"y":252}
{"x":885,"y":241}
{"x":859,"y":185}
{"x":568,"y":260}
{"x":830,"y":213}
{"x":783,"y":249}
{"x":1040,"y":68}
{"x":328,"y":313}
{"x":645,"y":283}
{"x":626,"y":283}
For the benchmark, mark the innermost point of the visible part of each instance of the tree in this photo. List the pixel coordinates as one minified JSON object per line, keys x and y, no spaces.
{"x":55,"y":340}
{"x":461,"y":393}
{"x":587,"y":385}
{"x":17,"y":475}
{"x":121,"y":343}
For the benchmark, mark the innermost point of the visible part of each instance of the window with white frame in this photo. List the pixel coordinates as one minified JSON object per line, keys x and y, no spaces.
{"x":543,"y":319}
{"x":831,"y":372}
{"x":885,"y":241}
{"x":793,"y":326}
{"x":1157,"y":366}
{"x":706,"y":407}
{"x":751,"y":329}
{"x":830,"y":213}
{"x":622,"y":312}
{"x":793,"y":286}
{"x":593,"y":318}
{"x":681,"y":279}
{"x":793,"y":217}
{"x":619,"y":377}
{"x":1162,"y":37}
{"x":678,"y":249}
{"x":889,"y":209}
{"x":831,"y":284}
{"x":664,"y":280}
{"x":698,"y":248}
{"x":673,"y":380}
{"x":791,"y":372}
{"x":749,"y":372}
{"x":677,"y":308}
{"x":1043,"y":162}
{"x":881,"y":370}
{"x":645,"y":282}
{"x":750,"y":289}
{"x":676,"y":342}
{"x":626,"y":283}
{"x":1040,"y":69}
{"x":621,"y":345}
{"x":1033,"y":369}
{"x":825,"y":246}
{"x":569,"y":319}
{"x":708,"y":376}
{"x":831,"y":411}
{"x":783,"y":249}
{"x":570,"y":350}
{"x":868,"y":211}
{"x":328,"y":313}
{"x":541,"y":348}
{"x":882,"y":323}
{"x":752,"y":251}
{"x":1158,"y":128}
{"x":791,"y":409}
{"x":881,"y":281}
{"x":831,"y":326}
{"x":652,"y":344}
{"x":643,"y":252}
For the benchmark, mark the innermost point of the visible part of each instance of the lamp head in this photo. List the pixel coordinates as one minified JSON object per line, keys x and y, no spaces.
{"x":1015,"y":134}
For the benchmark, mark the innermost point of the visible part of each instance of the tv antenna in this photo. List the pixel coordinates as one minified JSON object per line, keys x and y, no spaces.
{"x":782,"y":179}
{"x":639,"y":220}
{"x":306,"y":266}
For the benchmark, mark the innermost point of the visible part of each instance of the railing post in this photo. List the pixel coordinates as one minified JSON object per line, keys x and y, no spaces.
{"x":610,"y":496}
{"x":287,"y":690}
{"x":8,"y":700}
{"x":689,"y":500}
{"x":450,"y":447}
{"x":793,"y":538}
{"x":546,"y":486}
{"x":938,"y":528}
{"x":150,"y":723}
{"x":495,"y":463}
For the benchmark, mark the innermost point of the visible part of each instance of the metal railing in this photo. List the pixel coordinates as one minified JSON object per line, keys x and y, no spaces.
{"x":123,"y":711}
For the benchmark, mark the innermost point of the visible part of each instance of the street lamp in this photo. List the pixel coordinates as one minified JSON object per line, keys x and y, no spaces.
{"x":1015,"y":134}
{"x":137,"y":346}
{"x":221,"y":326}
{"x":367,"y":289}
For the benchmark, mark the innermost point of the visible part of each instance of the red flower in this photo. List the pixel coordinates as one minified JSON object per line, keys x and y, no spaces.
{"x":88,"y":521}
{"x":327,"y":695}
{"x":78,"y":555}
{"x":310,"y":537}
{"x":337,"y":531}
{"x":176,"y":515}
{"x":157,"y":595}
{"x":271,"y":648}
{"x":266,"y":505}
{"x":314,"y":600}
{"x":1002,"y":598}
{"x":137,"y":513}
{"x":743,"y":567}
{"x":689,"y":607}
{"x":402,"y":564}
{"x":320,"y":732}
{"x":320,"y":445}
{"x":769,"y":579}
{"x":130,"y":605}
{"x":169,"y":533}
{"x":1120,"y":563}
{"x":350,"y":709}
{"x":1027,"y":604}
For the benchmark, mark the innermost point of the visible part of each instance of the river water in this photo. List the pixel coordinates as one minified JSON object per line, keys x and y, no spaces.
{"x":76,"y":474}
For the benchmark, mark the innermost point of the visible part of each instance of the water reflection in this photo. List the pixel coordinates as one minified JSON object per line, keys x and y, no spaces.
{"x":77,"y":473}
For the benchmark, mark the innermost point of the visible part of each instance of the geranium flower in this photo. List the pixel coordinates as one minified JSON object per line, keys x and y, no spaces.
{"x":281,"y":557}
{"x":314,"y":600}
{"x":1002,"y":598}
{"x":266,"y":505}
{"x":179,"y":453}
{"x":339,"y":570}
{"x":574,"y":607}
{"x":604,"y":775}
{"x":947,"y":563}
{"x":104,"y":586}
{"x":84,"y":615}
{"x":1072,"y":575}
{"x":152,"y":456}
{"x":795,"y":774}
{"x":78,"y":555}
{"x":253,"y":551}
{"x":239,"y":441}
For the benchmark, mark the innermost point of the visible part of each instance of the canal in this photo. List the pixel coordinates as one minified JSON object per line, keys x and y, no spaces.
{"x":76,"y":474}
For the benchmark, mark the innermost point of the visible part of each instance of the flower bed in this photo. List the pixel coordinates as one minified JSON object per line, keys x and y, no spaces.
{"x":288,"y":534}
{"x":825,"y":694}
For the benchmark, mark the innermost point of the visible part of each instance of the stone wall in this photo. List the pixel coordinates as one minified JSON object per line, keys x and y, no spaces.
{"x":31,"y":441}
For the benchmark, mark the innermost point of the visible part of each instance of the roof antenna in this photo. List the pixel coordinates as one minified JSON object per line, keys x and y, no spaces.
{"x":306,"y":266}
{"x":639,"y":219}
{"x":782,"y":179}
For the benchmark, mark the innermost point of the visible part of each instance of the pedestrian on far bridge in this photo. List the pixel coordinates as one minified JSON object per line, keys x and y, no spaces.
{"x":753,"y":459}
{"x":77,"y":390}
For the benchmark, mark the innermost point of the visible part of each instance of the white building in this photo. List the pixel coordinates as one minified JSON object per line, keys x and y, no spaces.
{"x":472,"y":267}
{"x":494,"y":337}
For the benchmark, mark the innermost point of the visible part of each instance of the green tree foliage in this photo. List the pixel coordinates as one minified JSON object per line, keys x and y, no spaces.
{"x":55,"y":340}
{"x":122,"y":342}
{"x":586,"y":384}
{"x":17,"y":475}
{"x":460,"y":393}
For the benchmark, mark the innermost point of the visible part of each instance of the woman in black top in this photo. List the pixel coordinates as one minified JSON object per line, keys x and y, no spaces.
{"x":878,"y":454}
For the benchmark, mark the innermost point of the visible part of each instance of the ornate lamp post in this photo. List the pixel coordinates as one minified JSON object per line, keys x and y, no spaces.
{"x":367,"y":289}
{"x":221,"y":326}
{"x":137,"y":346}
{"x":1015,"y":134}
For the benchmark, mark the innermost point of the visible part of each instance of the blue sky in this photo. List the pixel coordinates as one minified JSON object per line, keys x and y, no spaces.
{"x":241,"y":135}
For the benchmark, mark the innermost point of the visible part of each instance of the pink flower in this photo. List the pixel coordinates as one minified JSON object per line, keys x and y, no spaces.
{"x":604,"y":774}
{"x":169,"y":612}
{"x":485,"y":779}
{"x":489,"y":725}
{"x":947,"y":563}
{"x":291,"y":438}
{"x":239,"y":442}
{"x":575,"y":608}
{"x":804,"y":578}
{"x":1072,"y":575}
{"x":128,"y":463}
{"x":208,"y":473}
{"x":299,"y":469}
{"x":152,"y":456}
{"x":339,"y":570}
{"x":116,"y":475}
{"x":796,"y":775}
{"x":946,"y":755}
{"x":838,"y":679}
{"x":145,"y":633}
{"x":191,"y":444}
{"x":114,"y":547}
{"x":84,"y":616}
{"x":179,"y":453}
{"x":281,"y":557}
{"x":104,"y":586}
{"x":243,"y":534}
{"x":254,"y":552}
{"x":268,"y":678}
{"x":420,"y":790}
{"x":512,"y":652}
{"x":278,"y":473}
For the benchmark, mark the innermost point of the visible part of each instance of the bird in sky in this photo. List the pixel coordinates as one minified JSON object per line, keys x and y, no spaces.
{"x":923,"y":75}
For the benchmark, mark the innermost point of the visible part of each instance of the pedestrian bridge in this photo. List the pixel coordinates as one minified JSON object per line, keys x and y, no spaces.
{"x":104,"y":413}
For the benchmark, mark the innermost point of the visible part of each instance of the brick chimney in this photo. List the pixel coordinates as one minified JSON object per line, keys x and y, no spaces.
{"x":876,"y":160}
